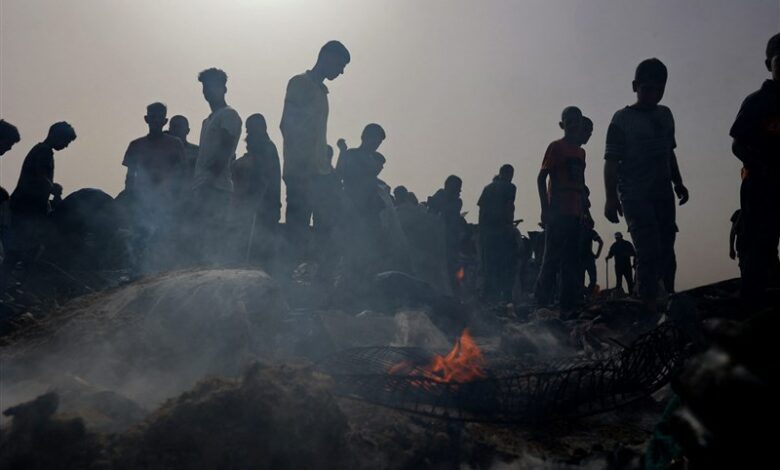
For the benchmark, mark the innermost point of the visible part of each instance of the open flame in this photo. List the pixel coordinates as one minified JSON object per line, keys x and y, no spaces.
{"x":463,"y":363}
{"x":460,"y":275}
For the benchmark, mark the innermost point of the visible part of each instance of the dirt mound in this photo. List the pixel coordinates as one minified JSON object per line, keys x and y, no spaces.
{"x":150,"y":339}
{"x":272,"y":418}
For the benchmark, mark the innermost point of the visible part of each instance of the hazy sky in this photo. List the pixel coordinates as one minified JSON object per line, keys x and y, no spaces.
{"x":460,"y":86}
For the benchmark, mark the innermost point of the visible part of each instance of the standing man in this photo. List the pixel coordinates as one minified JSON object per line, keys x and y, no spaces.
{"x":623,"y":252}
{"x":756,"y":133}
{"x":447,"y":204}
{"x":179,"y":127}
{"x":154,"y":163}
{"x":497,"y":235}
{"x":304,"y":128}
{"x":30,"y":204}
{"x":212,"y":182}
{"x":642,"y":177}
{"x":562,"y":204}
{"x":589,"y":235}
{"x":9,"y":136}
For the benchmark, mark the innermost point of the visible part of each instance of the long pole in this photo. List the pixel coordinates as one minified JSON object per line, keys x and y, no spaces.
{"x":606,"y":265}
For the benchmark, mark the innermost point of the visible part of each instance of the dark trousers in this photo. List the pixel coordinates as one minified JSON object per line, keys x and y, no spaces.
{"x":316,"y":197}
{"x":498,"y":262}
{"x":210,"y":218}
{"x":561,"y":254}
{"x":299,"y":210}
{"x":653,"y":231}
{"x":589,"y":268}
{"x":760,"y":235}
{"x":624,"y":272}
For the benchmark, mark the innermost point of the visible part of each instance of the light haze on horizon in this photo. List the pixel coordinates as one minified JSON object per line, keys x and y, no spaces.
{"x":461,"y":87}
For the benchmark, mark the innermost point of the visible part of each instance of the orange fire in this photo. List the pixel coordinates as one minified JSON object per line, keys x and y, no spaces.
{"x":460,"y":275}
{"x":463,"y":363}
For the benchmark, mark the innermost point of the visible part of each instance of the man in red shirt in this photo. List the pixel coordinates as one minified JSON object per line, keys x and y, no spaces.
{"x":561,"y":184}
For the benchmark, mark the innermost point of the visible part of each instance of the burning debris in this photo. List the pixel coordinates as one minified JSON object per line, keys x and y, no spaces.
{"x":465,"y":386}
{"x":463,"y":363}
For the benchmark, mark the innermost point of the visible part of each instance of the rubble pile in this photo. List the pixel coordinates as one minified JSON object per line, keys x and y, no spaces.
{"x":163,"y":373}
{"x":150,"y":339}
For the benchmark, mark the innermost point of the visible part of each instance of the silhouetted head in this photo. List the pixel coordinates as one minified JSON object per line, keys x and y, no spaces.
{"x":255,"y":124}
{"x":400,"y":194}
{"x":587,"y":129}
{"x":618,"y":236}
{"x":179,"y":127}
{"x":506,"y":172}
{"x":773,"y":56}
{"x":256,"y":129}
{"x":372,"y":137}
{"x":156,"y":117}
{"x":332,"y":59}
{"x":214,"y":84}
{"x":650,"y":82}
{"x":9,"y":136}
{"x":571,"y":120}
{"x":61,"y":134}
{"x":453,"y":185}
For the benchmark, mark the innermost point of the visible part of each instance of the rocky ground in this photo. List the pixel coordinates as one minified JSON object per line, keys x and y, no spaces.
{"x":214,"y":369}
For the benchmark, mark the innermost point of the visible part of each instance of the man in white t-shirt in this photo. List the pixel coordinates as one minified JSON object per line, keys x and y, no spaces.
{"x":212,"y":183}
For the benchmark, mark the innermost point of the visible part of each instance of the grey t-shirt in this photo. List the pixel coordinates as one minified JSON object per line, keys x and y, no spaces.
{"x":211,"y":152}
{"x":642,"y":141}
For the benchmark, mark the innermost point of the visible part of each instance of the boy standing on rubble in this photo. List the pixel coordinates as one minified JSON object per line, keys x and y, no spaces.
{"x":562,"y":207}
{"x":642,"y":177}
{"x":756,"y":133}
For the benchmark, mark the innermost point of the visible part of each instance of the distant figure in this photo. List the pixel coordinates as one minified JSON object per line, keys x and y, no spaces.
{"x":562,"y":212}
{"x":402,"y":196}
{"x":756,"y":133}
{"x":623,"y":252}
{"x":447,"y":204}
{"x":589,"y":235}
{"x":641,"y":177}
{"x":179,"y":127}
{"x":212,"y":182}
{"x":588,"y":256}
{"x":9,"y":136}
{"x":154,"y":163}
{"x":30,"y":204}
{"x":359,"y":170}
{"x":257,"y":176}
{"x":304,"y":129}
{"x":497,"y":236}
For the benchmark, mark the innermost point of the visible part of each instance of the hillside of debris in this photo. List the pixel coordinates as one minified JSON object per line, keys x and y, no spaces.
{"x":216,"y":369}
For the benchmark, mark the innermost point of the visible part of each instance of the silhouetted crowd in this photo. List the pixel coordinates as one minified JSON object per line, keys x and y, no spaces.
{"x":198,"y":205}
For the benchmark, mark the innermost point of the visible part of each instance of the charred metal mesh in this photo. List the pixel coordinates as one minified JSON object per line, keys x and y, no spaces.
{"x":512,"y":391}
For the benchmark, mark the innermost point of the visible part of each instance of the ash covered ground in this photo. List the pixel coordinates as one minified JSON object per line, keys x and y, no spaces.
{"x":218,"y":369}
